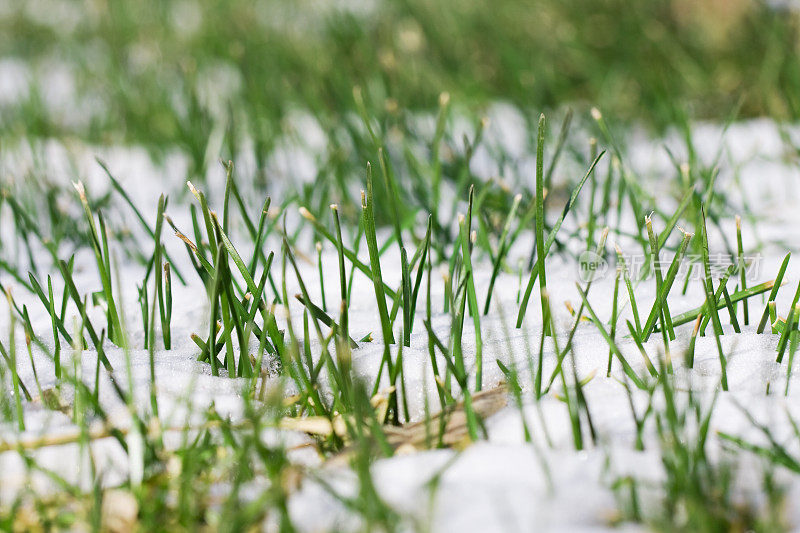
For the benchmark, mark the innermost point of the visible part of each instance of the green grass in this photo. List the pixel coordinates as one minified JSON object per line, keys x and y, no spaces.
{"x":236,"y":278}
{"x":701,"y":488}
{"x":537,"y":267}
{"x":346,"y":413}
{"x":366,"y":80}
{"x":668,"y":60}
{"x":367,"y":206}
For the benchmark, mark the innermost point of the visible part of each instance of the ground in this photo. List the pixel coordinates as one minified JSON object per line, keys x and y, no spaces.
{"x":429,"y":312}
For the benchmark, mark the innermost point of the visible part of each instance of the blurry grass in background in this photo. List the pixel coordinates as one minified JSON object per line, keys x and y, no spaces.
{"x":162,"y":72}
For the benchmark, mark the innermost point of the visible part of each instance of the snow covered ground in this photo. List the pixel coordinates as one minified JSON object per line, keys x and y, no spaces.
{"x":502,"y":483}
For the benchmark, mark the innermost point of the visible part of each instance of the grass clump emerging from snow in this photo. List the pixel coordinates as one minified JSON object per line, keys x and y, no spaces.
{"x":304,"y":380}
{"x":364,"y":315}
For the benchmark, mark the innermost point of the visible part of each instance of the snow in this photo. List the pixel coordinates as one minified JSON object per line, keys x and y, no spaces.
{"x":503,"y":483}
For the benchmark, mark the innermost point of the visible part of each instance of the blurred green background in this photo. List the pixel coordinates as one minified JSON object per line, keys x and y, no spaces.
{"x":157,"y":72}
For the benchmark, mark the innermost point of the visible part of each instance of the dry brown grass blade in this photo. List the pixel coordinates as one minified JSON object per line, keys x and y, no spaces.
{"x":424,"y":434}
{"x":418,"y":434}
